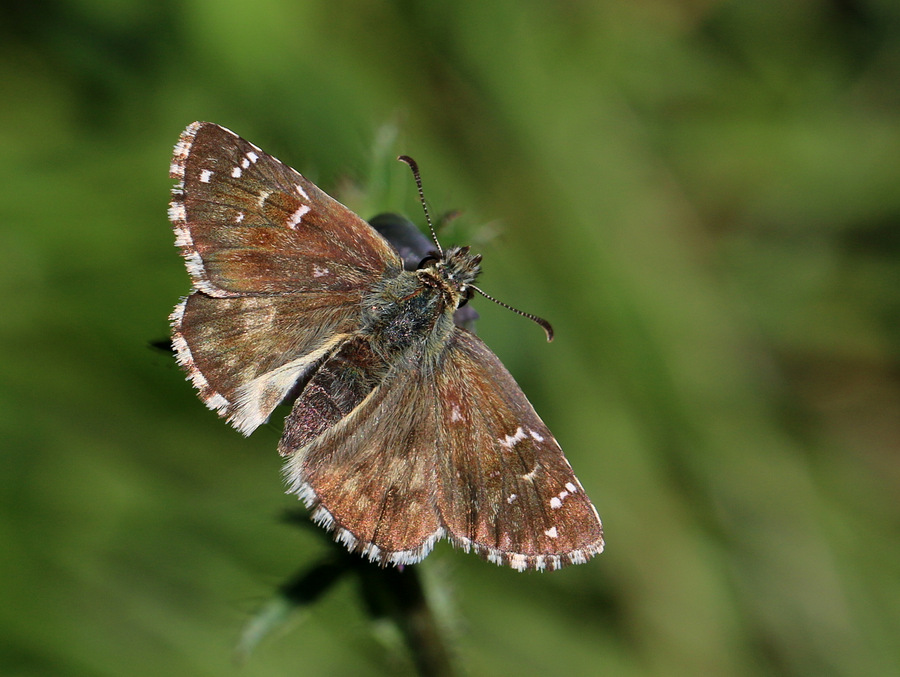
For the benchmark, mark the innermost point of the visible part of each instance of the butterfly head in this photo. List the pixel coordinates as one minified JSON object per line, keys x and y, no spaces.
{"x":453,"y":271}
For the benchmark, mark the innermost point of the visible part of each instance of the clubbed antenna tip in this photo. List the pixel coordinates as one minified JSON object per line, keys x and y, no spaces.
{"x":546,"y":326}
{"x":548,"y":329}
{"x":415,"y":170}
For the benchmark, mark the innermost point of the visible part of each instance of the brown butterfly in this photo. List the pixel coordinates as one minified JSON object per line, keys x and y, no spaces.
{"x":406,"y":428}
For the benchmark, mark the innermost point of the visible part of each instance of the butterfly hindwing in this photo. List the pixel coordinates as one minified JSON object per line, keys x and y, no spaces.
{"x":368,"y":473}
{"x":245,"y":354}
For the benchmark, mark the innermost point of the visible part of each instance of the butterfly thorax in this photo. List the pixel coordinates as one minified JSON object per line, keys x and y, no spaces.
{"x":412,"y":312}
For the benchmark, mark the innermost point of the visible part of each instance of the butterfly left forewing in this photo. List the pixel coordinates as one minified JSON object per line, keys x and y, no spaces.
{"x":505,"y":489}
{"x":248,"y":224}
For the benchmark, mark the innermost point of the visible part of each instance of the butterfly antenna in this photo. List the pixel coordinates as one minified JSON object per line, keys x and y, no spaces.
{"x":415,"y":170}
{"x":534,"y":318}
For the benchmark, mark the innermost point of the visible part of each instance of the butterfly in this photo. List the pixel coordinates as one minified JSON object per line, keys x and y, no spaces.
{"x":405,"y":428}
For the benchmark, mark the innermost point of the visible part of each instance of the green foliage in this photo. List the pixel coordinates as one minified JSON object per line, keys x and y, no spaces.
{"x":702,"y":198}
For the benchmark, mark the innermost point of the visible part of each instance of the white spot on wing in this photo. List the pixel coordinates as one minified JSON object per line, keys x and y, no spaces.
{"x":571,"y":487}
{"x":511,"y":498}
{"x":253,"y":156}
{"x":239,"y":217}
{"x":297,"y":216}
{"x":555,"y":503}
{"x":319,"y":271}
{"x":263,"y":196}
{"x":205,"y":175}
{"x":535,"y":436}
{"x":551,"y":532}
{"x":245,"y":163}
{"x":302,"y":192}
{"x":236,"y":172}
{"x":509,"y":441}
{"x":455,"y":415}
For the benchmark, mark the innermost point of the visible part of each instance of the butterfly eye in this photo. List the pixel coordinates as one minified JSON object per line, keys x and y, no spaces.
{"x":468,"y":292}
{"x":427,"y":261}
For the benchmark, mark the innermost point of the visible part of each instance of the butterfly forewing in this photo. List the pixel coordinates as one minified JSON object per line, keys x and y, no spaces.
{"x":504,"y":486}
{"x":247,"y":224}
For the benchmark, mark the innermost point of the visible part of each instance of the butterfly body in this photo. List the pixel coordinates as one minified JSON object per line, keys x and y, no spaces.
{"x":405,"y":428}
{"x":413,"y":311}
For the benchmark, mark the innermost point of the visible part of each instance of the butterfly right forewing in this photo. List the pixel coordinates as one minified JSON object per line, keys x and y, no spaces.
{"x":393,"y":463}
{"x":505,"y":489}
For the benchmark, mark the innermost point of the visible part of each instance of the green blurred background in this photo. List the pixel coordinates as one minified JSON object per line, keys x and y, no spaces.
{"x":702,"y":196}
